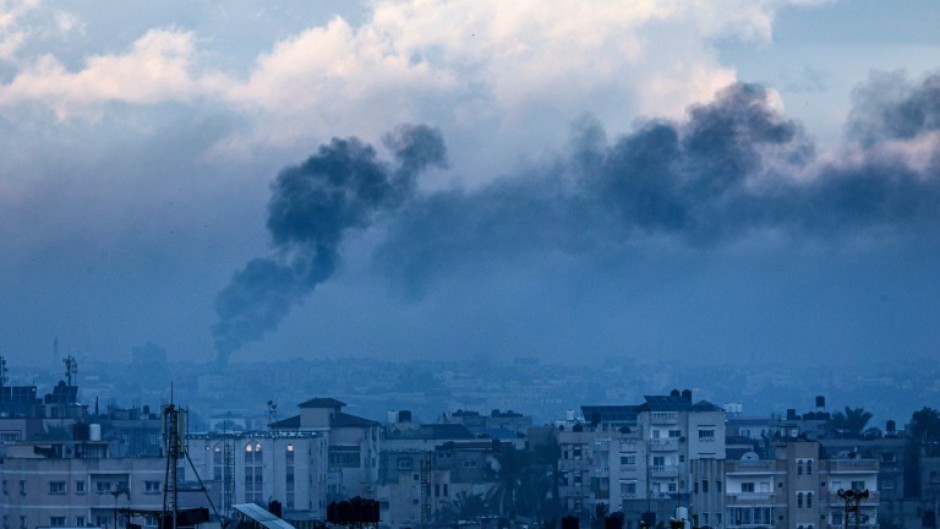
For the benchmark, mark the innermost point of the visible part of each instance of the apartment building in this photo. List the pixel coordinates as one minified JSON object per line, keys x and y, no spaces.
{"x":353,"y":445}
{"x":258,"y":467}
{"x":76,"y":484}
{"x":795,"y":489}
{"x":636,"y":458}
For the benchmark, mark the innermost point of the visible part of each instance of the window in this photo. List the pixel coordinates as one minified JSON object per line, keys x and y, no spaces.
{"x":445,"y":490}
{"x":80,"y":487}
{"x":675,"y":434}
{"x":57,"y":487}
{"x":627,"y":459}
{"x":103,"y":487}
{"x":57,"y":521}
{"x":577,"y":452}
{"x":405,"y":464}
{"x":23,"y":487}
{"x":151,"y":487}
{"x":706,"y":434}
{"x":799,"y":468}
{"x":747,"y":486}
{"x":799,"y":500}
{"x":809,"y":500}
{"x":858,"y":486}
{"x":628,"y":488}
{"x":718,"y":485}
{"x":704,"y":486}
{"x":887,"y":484}
{"x":289,"y":475}
{"x":254,"y":458}
{"x":5,"y":487}
{"x":80,"y":521}
{"x":672,"y":487}
{"x":659,"y":461}
{"x":682,"y":458}
{"x":345,"y":457}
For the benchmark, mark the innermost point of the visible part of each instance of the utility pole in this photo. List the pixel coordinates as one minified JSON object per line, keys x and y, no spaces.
{"x":173,"y":429}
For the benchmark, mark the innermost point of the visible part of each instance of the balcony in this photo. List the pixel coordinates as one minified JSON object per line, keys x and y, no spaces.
{"x":664,"y":471}
{"x":664,"y":445}
{"x":749,"y":498}
{"x":664,"y":417}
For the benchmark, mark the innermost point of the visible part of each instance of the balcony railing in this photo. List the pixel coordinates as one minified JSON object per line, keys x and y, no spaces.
{"x":664,"y":445}
{"x":664,"y":470}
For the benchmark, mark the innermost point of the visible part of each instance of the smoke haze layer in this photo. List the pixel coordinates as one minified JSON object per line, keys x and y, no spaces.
{"x":735,"y":168}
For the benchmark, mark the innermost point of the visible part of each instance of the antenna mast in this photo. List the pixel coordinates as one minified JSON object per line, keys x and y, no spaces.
{"x":71,"y":369}
{"x":173,"y":429}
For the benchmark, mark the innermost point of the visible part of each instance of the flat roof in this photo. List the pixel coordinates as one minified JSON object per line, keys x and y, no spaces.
{"x":262,"y":516}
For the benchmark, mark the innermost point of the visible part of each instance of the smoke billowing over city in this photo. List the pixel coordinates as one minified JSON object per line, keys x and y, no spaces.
{"x":490,"y":265}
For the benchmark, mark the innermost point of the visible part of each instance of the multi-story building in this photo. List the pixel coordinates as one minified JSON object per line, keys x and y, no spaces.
{"x":795,"y":489}
{"x":677,"y":432}
{"x":76,"y":484}
{"x":636,"y":459}
{"x":258,"y":467}
{"x":353,"y":445}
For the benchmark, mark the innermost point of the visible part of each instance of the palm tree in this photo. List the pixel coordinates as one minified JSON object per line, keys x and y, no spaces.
{"x":549,"y":455}
{"x":850,"y":423}
{"x":463,"y":507}
{"x":513,"y":465}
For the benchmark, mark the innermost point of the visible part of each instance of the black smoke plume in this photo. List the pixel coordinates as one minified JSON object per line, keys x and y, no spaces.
{"x":312,"y":206}
{"x":735,"y":168}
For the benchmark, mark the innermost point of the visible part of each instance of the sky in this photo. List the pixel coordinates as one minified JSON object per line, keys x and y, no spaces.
{"x":737,"y":180}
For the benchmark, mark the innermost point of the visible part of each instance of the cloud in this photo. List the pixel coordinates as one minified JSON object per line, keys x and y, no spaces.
{"x":158,"y":68}
{"x":488,"y":70}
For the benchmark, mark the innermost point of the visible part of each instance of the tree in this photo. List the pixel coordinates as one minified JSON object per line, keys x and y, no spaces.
{"x":463,"y":507}
{"x":850,"y":423}
{"x":548,"y":454}
{"x":513,"y":465}
{"x":925,"y":425}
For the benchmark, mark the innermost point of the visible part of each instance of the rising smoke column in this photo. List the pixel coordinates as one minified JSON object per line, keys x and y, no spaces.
{"x":312,"y":207}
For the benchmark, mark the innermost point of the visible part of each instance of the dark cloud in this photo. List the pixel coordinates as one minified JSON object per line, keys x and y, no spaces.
{"x":312,"y":207}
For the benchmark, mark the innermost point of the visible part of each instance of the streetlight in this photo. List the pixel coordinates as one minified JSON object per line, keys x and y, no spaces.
{"x":852,"y":499}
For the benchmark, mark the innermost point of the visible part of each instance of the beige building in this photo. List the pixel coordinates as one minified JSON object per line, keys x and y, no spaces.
{"x":796,"y":489}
